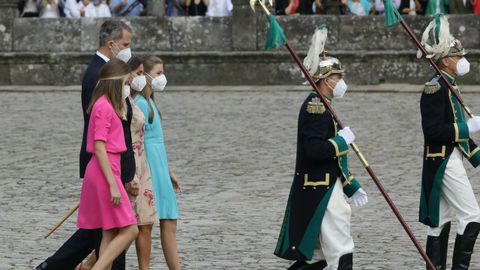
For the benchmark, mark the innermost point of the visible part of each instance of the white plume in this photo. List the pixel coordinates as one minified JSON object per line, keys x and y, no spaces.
{"x":312,"y":59}
{"x":445,"y":39}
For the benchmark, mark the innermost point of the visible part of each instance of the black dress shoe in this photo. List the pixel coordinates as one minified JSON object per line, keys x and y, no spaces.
{"x":42,"y":266}
{"x":298,"y":265}
{"x":317,"y":265}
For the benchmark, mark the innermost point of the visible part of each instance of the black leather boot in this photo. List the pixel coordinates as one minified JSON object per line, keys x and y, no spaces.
{"x":437,"y":247}
{"x":317,"y":265}
{"x":464,"y":246}
{"x":346,"y":262}
{"x":298,"y":265}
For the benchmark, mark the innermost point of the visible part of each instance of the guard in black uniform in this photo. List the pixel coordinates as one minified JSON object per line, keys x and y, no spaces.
{"x":317,"y":215}
{"x":446,"y":193}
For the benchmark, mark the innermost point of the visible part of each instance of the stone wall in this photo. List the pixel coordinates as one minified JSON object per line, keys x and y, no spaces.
{"x":225,"y":51}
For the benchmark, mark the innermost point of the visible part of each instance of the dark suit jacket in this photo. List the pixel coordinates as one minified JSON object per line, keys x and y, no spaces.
{"x":89,"y":82}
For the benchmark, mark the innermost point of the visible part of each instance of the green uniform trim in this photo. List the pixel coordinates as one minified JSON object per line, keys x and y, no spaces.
{"x":460,"y":126}
{"x":309,"y":240}
{"x":450,"y":78}
{"x":432,"y":209}
{"x":340,"y":145}
{"x":461,"y":132}
{"x":284,"y":233}
{"x":349,"y":183}
{"x":351,"y":186}
{"x":474,"y":158}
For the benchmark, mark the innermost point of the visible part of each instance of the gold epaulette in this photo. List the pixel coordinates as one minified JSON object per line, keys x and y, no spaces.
{"x":315,"y":106}
{"x":432,"y":86}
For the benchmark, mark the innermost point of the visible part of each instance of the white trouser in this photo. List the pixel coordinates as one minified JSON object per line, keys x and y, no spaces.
{"x":457,"y":201}
{"x":335,"y":239}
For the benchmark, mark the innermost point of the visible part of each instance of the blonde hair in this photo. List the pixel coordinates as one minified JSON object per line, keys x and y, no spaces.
{"x":112,"y":78}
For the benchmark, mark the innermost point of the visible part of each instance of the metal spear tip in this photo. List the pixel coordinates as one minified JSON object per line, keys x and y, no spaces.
{"x":252,"y":3}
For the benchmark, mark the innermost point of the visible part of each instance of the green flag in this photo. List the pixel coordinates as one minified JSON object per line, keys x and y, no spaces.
{"x":392,"y":16}
{"x":275,"y":36}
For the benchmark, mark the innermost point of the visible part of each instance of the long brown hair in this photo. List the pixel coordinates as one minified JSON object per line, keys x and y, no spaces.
{"x":112,"y":78}
{"x":149,"y":62}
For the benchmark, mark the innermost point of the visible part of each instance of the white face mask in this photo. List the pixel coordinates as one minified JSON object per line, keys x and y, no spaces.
{"x":463,"y":67}
{"x":124,"y":54}
{"x":159,"y":83}
{"x":339,"y":89}
{"x":139,"y":82}
{"x":125,"y":91}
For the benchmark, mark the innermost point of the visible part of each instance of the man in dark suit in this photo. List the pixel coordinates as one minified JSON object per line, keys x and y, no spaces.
{"x":114,"y":39}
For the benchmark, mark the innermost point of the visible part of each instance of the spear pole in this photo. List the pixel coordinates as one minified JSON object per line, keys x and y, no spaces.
{"x":62,"y":220}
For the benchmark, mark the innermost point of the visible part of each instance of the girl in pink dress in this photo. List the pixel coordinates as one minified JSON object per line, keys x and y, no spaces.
{"x":104,"y":203}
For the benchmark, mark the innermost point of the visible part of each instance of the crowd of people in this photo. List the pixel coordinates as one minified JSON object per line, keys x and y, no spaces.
{"x":375,"y":7}
{"x":116,"y":8}
{"x":221,"y":8}
{"x":81,"y":8}
{"x":128,"y":184}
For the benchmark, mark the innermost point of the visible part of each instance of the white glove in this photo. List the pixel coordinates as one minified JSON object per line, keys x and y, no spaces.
{"x":473,"y":124}
{"x":359,"y":198}
{"x":347,"y":135}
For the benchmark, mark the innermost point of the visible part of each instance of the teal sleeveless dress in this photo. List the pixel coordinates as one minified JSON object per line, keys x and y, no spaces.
{"x":163,"y":192}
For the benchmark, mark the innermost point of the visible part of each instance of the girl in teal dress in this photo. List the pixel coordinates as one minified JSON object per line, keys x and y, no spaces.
{"x":164,"y":182}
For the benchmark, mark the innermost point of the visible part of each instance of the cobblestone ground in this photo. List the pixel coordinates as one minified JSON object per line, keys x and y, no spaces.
{"x":235,"y":153}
